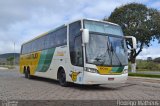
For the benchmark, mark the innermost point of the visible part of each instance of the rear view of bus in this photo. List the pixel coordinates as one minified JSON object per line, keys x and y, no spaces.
{"x":92,"y":52}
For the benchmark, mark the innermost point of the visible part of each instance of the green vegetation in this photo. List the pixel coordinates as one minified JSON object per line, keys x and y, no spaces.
{"x":144,"y":75}
{"x":9,"y":64}
{"x":10,"y":60}
{"x":157,"y":60}
{"x":6,"y":55}
{"x":144,"y":65}
{"x":7,"y":60}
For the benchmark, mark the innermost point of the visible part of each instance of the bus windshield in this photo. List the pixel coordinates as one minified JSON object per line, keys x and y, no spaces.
{"x":101,"y":27}
{"x":106,"y":51}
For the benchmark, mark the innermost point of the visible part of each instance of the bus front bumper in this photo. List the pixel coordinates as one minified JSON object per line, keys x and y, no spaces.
{"x":94,"y":78}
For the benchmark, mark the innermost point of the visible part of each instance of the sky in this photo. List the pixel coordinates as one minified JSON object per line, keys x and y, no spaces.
{"x":22,"y":20}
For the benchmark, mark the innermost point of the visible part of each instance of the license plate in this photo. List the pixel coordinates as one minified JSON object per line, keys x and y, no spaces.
{"x":110,"y":79}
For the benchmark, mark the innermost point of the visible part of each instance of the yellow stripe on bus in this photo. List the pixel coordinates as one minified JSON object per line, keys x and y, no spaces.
{"x":30,"y":60}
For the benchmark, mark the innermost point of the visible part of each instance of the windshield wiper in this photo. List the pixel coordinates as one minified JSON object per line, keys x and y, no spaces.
{"x":98,"y":59}
{"x":103,"y":55}
{"x":112,"y":50}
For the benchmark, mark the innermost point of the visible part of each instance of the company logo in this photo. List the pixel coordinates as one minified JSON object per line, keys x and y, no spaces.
{"x":104,"y":70}
{"x":32,"y":56}
{"x":74,"y":75}
{"x":60,"y":53}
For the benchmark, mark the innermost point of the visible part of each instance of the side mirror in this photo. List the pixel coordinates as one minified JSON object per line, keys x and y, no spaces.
{"x":134,"y":41}
{"x":85,"y":35}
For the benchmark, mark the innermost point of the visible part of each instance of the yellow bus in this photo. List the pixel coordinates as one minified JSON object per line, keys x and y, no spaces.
{"x":85,"y":51}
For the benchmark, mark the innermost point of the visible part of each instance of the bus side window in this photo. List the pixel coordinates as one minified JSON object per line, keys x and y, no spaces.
{"x":78,"y":51}
{"x":46,"y":42}
{"x":52,"y":39}
{"x":75,"y":45}
{"x":61,"y":36}
{"x":22,"y":50}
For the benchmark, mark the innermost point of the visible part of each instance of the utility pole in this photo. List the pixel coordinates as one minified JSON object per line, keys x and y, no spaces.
{"x":14,"y":56}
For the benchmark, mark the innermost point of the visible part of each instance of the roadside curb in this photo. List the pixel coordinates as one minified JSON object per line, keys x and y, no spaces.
{"x":144,"y":78}
{"x":3,"y":68}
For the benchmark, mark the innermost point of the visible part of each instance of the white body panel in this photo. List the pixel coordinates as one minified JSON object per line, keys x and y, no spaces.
{"x":82,"y":77}
{"x":94,"y":78}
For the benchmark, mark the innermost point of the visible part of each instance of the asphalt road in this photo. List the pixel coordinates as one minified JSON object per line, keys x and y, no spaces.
{"x":13,"y":86}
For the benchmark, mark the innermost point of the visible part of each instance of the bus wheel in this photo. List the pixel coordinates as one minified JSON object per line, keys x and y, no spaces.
{"x":27,"y":74}
{"x":96,"y":85}
{"x":62,"y":78}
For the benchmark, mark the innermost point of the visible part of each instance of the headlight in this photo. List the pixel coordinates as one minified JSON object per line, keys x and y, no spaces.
{"x":125,"y":71}
{"x":92,"y":70}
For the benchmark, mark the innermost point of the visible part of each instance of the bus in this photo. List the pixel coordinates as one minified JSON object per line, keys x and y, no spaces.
{"x":85,"y":51}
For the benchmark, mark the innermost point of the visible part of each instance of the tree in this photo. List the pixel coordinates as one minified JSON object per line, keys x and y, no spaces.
{"x":149,"y":58}
{"x":139,"y":21}
{"x":157,"y":60}
{"x":10,"y":60}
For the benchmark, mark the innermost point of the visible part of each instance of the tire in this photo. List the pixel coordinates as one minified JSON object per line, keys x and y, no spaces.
{"x":62,"y":78}
{"x":27,"y":74}
{"x":96,"y":85}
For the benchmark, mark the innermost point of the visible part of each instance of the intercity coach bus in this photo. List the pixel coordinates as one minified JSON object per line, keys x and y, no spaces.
{"x":85,"y":51}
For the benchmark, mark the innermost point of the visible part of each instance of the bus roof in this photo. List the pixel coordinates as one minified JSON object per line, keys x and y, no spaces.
{"x":43,"y":34}
{"x":93,"y":20}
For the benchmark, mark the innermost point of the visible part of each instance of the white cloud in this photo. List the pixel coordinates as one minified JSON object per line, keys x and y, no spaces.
{"x":150,"y":52}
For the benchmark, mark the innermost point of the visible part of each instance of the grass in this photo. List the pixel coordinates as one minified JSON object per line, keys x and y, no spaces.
{"x":148,"y":65}
{"x":144,"y":65}
{"x":139,"y":70}
{"x":144,"y":75}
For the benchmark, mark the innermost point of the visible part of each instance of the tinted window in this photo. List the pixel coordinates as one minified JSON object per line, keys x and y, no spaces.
{"x":41,"y":43}
{"x":26,"y":48}
{"x":22,"y":49}
{"x":46,"y":41}
{"x":75,"y":44}
{"x":61,"y":36}
{"x":103,"y":27}
{"x":53,"y":39}
{"x":58,"y":37}
{"x":78,"y":54}
{"x":29,"y":47}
